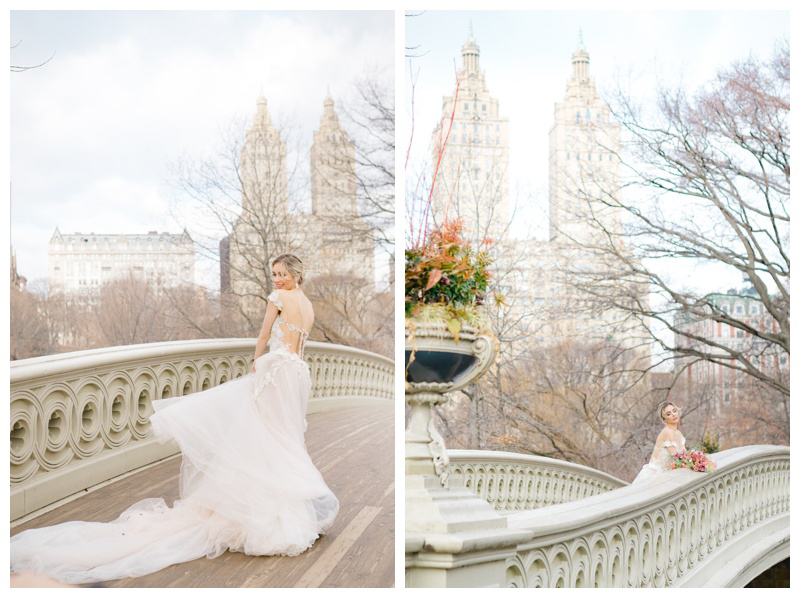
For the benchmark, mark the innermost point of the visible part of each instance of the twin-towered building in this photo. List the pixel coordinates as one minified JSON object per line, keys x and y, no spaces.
{"x":332,"y":240}
{"x":470,"y":154}
{"x":540,"y":278}
{"x":571,"y":289}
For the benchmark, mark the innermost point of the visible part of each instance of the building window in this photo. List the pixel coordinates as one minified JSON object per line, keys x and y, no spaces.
{"x":567,"y":155}
{"x":497,"y":128}
{"x":483,"y":107}
{"x":577,"y":117}
{"x":739,"y":309}
{"x":754,"y":309}
{"x":466,"y":106}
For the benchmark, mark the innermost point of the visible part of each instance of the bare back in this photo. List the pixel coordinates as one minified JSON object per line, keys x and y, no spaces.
{"x":296,"y":318}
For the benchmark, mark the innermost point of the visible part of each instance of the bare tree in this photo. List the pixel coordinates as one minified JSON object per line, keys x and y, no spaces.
{"x":706,"y":184}
{"x":574,"y":399}
{"x":250,"y":194}
{"x":29,"y":334}
{"x":242,"y":194}
{"x":349,"y":312}
{"x":125,"y":312}
{"x":369,"y":116}
{"x":23,"y":68}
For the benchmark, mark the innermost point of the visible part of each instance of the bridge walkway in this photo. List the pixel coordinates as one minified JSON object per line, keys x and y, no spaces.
{"x":352,"y":447}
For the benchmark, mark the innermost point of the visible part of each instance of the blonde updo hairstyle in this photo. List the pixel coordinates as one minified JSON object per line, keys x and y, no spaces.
{"x":293,"y":264}
{"x":664,"y":406}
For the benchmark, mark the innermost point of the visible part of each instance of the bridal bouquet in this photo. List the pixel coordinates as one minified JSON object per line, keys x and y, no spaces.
{"x":694,"y":460}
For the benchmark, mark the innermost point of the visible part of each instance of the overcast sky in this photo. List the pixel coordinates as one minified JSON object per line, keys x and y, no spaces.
{"x":94,"y":131}
{"x":527,"y":57}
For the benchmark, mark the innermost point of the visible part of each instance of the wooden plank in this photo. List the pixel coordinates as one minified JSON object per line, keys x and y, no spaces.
{"x":333,"y":554}
{"x":361,"y":566}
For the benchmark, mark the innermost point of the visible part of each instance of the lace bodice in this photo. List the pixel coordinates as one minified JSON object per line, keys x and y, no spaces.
{"x":661,"y":455}
{"x":280,"y":337}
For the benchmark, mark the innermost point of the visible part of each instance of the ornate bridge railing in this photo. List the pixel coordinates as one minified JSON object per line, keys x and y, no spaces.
{"x":689,"y":529}
{"x":80,"y":419}
{"x":511,"y":481}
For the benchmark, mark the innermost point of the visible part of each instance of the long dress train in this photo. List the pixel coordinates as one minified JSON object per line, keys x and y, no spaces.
{"x":246,"y":484}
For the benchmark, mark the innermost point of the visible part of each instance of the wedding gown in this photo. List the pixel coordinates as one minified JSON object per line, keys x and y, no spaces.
{"x":659,"y":462}
{"x":246,"y":484}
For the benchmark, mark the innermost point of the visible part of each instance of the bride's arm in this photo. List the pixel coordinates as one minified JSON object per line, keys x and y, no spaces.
{"x":266,"y":328}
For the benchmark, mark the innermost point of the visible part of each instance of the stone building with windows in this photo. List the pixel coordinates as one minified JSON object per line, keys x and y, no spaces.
{"x":341,"y":242}
{"x":572,"y":279}
{"x":470,"y":154}
{"x":333,"y":157}
{"x":584,"y":165}
{"x":729,"y":400}
{"x":79,"y":263}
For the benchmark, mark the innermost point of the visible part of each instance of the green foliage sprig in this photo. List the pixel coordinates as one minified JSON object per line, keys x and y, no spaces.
{"x":709,"y":444}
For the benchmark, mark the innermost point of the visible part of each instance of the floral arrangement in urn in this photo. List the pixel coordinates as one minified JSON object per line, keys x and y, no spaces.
{"x":694,"y":460}
{"x":447,"y":279}
{"x":709,"y":444}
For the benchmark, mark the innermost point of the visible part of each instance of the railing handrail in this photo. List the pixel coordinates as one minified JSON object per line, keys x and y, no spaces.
{"x":662,"y":531}
{"x":505,"y":457}
{"x":633,"y":499}
{"x":79,"y":419}
{"x":24,"y":370}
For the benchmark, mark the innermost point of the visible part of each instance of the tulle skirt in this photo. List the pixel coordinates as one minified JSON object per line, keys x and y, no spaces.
{"x":247,"y":484}
{"x":649,"y":471}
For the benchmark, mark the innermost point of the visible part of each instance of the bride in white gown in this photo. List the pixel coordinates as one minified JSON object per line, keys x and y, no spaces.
{"x":247,"y":483}
{"x":669,"y":442}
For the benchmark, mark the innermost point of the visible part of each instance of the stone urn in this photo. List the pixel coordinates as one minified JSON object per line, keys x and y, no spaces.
{"x":453,"y":537}
{"x":437,"y":363}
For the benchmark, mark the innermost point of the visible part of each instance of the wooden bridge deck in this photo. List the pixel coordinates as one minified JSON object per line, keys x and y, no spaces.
{"x":354,"y":450}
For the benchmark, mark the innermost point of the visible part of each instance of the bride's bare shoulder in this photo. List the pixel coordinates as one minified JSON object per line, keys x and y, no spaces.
{"x":292,"y":299}
{"x":667,"y":434}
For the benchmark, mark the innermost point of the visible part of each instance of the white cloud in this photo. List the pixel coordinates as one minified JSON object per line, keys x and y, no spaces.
{"x":93,"y":132}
